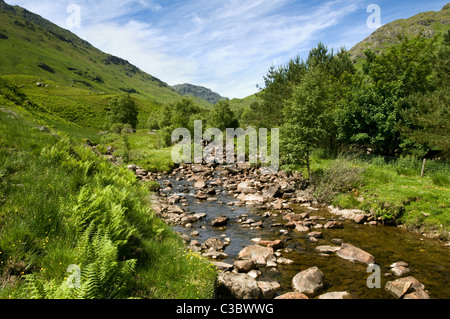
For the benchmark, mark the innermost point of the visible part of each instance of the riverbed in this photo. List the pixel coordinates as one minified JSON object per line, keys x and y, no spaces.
{"x":427,"y":259}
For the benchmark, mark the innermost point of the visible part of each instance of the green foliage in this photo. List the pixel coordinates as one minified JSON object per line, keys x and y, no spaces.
{"x":123,"y":110}
{"x":62,"y":205}
{"x":371,"y":113}
{"x":343,"y":175}
{"x":222,"y":117}
{"x":441,"y":180}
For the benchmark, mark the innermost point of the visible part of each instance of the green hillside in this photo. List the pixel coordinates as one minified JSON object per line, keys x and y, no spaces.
{"x":77,"y":79}
{"x":429,"y":23}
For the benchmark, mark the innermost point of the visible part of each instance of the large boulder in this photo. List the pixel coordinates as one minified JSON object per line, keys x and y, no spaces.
{"x":308,"y":282}
{"x":407,"y":287}
{"x":352,"y":253}
{"x":238,"y":286}
{"x":258,"y":254}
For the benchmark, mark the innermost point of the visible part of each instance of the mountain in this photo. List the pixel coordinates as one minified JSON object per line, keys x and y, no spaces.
{"x":198,"y":92}
{"x":77,"y":79}
{"x":429,"y":23}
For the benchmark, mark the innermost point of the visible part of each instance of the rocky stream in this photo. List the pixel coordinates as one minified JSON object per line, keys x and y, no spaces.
{"x":269,"y":239}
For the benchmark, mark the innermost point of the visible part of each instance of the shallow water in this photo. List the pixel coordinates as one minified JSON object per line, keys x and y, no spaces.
{"x":428,"y":260}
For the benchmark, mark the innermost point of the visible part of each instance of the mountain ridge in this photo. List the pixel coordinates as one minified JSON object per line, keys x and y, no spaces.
{"x":199,"y":92}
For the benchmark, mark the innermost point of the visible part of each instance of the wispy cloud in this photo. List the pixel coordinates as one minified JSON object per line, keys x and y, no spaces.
{"x":225,"y":45}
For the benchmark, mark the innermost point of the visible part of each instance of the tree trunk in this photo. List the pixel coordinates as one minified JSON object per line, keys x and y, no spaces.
{"x":308,"y":166}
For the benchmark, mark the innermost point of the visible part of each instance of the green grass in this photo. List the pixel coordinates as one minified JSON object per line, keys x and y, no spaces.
{"x":395,"y":191}
{"x":144,"y":150}
{"x":58,"y":199}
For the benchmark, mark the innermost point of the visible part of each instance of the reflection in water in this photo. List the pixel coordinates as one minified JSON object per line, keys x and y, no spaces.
{"x":428,"y":260}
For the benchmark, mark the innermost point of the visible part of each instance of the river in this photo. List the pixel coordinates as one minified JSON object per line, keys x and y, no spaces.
{"x":428,"y":260}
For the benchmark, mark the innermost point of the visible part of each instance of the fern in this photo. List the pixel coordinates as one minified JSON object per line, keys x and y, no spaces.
{"x":103,"y":276}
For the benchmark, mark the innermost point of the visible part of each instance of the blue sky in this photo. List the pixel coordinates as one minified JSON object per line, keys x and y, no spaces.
{"x":227,"y":46}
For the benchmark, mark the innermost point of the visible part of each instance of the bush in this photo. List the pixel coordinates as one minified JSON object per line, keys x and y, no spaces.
{"x":441,"y":180}
{"x":123,"y":110}
{"x":342,"y":176}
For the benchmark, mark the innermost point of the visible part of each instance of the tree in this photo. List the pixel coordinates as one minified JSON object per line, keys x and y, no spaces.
{"x":371,"y":112}
{"x":425,"y":122}
{"x":222,"y":117}
{"x":123,"y":110}
{"x":279,"y":83}
{"x":305,"y":118}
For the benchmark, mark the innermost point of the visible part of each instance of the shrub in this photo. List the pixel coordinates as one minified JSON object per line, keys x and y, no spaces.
{"x":343,"y":175}
{"x":441,"y":180}
{"x":45,"y":67}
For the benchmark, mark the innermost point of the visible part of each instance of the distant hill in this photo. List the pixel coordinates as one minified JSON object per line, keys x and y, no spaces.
{"x":34,"y":49}
{"x":198,"y":92}
{"x":429,"y":23}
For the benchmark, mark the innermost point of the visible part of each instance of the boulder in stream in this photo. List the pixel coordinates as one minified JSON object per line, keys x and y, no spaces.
{"x":309,"y":282}
{"x":352,"y":253}
{"x":220,"y":221}
{"x":238,"y":286}
{"x":407,"y":287}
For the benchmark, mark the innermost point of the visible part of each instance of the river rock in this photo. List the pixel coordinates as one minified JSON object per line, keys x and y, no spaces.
{"x":292,"y":295}
{"x":245,"y":187}
{"x":220,"y":221}
{"x":222,"y":266}
{"x":399,"y":271}
{"x":275,"y":244}
{"x":244,"y":265}
{"x":200,"y":183}
{"x":238,"y":286}
{"x":201,"y":195}
{"x":407,"y":287}
{"x":284,"y":261}
{"x":352,"y":253}
{"x":356,"y":215}
{"x":214,"y":244}
{"x":315,"y":234}
{"x":327,"y":249}
{"x":335,"y":295}
{"x":301,"y":228}
{"x":271,"y":191}
{"x":309,"y":282}
{"x":334,"y":224}
{"x":251,"y":199}
{"x":258,"y":254}
{"x":268,"y":289}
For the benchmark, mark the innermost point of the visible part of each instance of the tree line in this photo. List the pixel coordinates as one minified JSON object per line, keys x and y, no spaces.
{"x":392,"y":104}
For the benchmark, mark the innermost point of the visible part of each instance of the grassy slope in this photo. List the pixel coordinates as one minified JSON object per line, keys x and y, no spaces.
{"x":42,"y":180}
{"x":430,"y":23}
{"x":81,"y":78}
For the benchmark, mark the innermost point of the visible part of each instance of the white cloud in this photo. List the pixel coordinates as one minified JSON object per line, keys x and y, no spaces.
{"x":225,"y":45}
